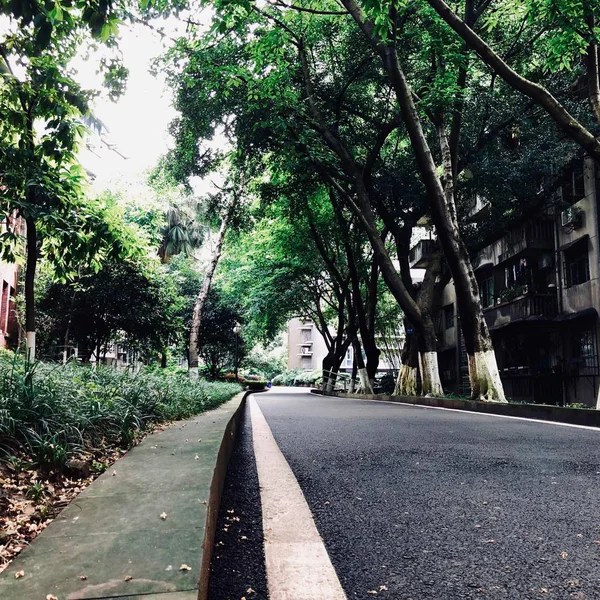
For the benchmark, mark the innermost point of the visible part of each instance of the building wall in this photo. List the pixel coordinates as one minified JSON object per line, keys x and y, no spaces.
{"x":306,"y":346}
{"x":545,"y":333}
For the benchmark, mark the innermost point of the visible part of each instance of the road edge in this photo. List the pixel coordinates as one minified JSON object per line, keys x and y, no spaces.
{"x":228,"y":441}
{"x":584,"y":417}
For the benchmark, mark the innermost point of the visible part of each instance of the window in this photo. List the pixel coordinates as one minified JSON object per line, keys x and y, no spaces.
{"x":449,"y":316}
{"x":349,"y":358}
{"x":585,"y":351}
{"x":486,"y":292}
{"x":577,"y":263}
{"x":573,"y":189}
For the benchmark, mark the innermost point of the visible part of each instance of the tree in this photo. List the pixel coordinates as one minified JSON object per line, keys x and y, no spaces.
{"x":562,"y":32}
{"x":261,"y":91}
{"x":43,"y":110}
{"x":123,"y":301}
{"x":218,"y":346}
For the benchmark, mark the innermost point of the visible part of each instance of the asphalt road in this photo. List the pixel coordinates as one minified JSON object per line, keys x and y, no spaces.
{"x":416,"y":503}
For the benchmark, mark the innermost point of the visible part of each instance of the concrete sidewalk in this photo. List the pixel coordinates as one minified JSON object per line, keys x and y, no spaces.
{"x":112,"y":542}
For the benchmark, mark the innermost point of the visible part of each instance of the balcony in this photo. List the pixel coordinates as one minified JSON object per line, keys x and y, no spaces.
{"x":421,"y":254}
{"x":532,"y":307}
{"x":532,"y":235}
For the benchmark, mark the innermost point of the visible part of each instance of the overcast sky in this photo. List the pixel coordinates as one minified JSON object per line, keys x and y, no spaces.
{"x":137,"y":123}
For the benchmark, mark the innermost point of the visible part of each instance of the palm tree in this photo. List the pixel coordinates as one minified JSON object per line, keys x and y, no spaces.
{"x":182,"y":232}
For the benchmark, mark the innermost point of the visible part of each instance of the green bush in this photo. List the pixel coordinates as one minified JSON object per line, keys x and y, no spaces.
{"x":51,"y":413}
{"x":298,"y":377}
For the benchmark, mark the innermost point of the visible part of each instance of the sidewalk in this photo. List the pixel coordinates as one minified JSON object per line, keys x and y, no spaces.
{"x":112,"y":542}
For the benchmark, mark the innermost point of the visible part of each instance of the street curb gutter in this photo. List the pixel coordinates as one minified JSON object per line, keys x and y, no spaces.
{"x":572,"y":416}
{"x":230,"y":435}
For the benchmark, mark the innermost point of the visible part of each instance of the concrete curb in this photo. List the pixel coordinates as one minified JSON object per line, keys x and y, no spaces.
{"x":230,"y":435}
{"x":558,"y":414}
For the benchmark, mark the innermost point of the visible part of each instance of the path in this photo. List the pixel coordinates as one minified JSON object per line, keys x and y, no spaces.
{"x":111,"y":542}
{"x":418,"y":503}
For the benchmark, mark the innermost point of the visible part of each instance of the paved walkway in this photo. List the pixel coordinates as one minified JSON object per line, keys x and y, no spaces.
{"x":112,"y":542}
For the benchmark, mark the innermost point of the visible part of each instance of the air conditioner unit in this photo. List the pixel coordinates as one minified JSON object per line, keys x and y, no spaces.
{"x":571,"y":217}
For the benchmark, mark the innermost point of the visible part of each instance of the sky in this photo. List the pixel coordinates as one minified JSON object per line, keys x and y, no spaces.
{"x":137,"y":123}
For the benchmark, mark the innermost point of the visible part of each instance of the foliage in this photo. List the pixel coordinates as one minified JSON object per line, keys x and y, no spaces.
{"x":217,"y":345}
{"x":124,"y":301}
{"x":52,"y":413}
{"x":268,"y":361}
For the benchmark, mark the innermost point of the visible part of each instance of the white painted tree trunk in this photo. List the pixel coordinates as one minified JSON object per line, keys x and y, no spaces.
{"x":406,"y":385}
{"x":484,"y":377}
{"x":30,"y":345}
{"x":365,"y":383}
{"x":430,"y":374}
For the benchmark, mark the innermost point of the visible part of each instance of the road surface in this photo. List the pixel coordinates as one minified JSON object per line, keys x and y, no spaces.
{"x":412,"y":502}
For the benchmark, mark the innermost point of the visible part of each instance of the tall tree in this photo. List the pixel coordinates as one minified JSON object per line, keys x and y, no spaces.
{"x":43,"y":110}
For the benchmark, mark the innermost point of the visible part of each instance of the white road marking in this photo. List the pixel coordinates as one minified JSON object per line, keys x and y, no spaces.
{"x":298,"y":566}
{"x":474,"y":412}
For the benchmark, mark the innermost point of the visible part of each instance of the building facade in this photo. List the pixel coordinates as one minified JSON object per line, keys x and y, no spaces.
{"x":307,"y":349}
{"x":540,"y":291}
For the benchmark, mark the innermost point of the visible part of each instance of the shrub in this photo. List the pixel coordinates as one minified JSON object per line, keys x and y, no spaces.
{"x":297,"y":377}
{"x":51,"y":413}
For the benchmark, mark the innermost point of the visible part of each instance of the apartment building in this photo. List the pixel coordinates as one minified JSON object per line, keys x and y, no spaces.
{"x":307,"y":349}
{"x":540,"y":291}
{"x":306,"y":346}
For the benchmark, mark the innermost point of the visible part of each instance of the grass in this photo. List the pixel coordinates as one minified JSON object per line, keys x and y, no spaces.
{"x":52,"y":413}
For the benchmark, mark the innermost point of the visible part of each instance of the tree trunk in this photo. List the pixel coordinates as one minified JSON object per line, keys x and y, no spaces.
{"x":406,"y":384}
{"x":201,"y":299}
{"x":163,"y":359}
{"x":354,"y":373}
{"x":483,"y":373}
{"x":430,"y":376}
{"x":30,"y":268}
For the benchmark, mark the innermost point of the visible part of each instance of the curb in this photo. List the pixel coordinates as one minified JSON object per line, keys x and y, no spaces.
{"x":572,"y":416}
{"x":230,"y":435}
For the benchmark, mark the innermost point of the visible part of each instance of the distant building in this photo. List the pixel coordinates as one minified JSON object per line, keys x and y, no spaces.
{"x":306,"y":346}
{"x":540,"y":291}
{"x":307,"y":349}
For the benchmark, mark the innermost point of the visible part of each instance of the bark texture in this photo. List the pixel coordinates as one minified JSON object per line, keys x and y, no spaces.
{"x":201,"y":299}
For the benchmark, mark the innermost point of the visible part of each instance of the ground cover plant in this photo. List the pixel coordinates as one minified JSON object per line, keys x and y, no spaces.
{"x":62,"y":426}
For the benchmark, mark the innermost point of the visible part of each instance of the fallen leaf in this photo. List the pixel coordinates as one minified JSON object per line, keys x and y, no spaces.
{"x":196,"y":457}
{"x":83,"y":577}
{"x":373,"y":592}
{"x":543,"y":590}
{"x":128,"y":578}
{"x":184,"y":567}
{"x":114,"y":473}
{"x":564,"y":554}
{"x":244,"y":537}
{"x":250,"y":591}
{"x":51,"y":597}
{"x":19,"y":574}
{"x":163,"y":515}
